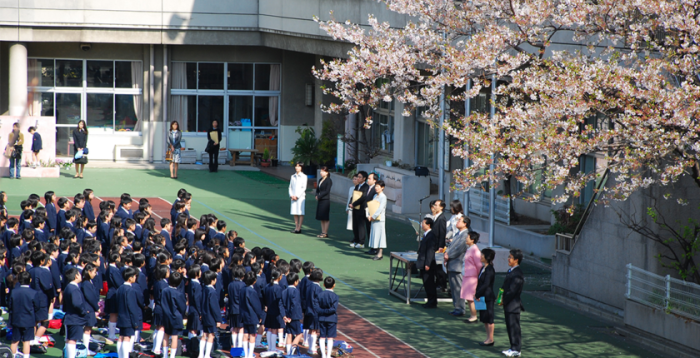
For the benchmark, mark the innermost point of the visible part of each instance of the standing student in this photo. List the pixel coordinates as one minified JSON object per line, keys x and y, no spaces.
{"x":36,"y":146}
{"x":358,"y":207}
{"x":426,"y":262}
{"x":454,"y":257}
{"x":92,"y":298}
{"x":174,"y":142}
{"x":130,"y":315}
{"x":3,"y":202}
{"x":76,"y":311}
{"x":323,"y":201}
{"x":297,"y":194}
{"x":61,"y":215}
{"x":327,"y":308}
{"x":114,"y":281}
{"x":161,"y":283}
{"x":80,"y":137}
{"x":213,"y":146}
{"x":512,"y":305}
{"x":274,"y":316}
{"x":50,"y":205}
{"x":470,"y":278}
{"x":312,"y":289}
{"x":174,"y":306}
{"x":211,"y":313}
{"x":42,"y":283}
{"x":124,"y":209}
{"x":23,"y":305}
{"x":88,"y":211}
{"x":484,"y":289}
{"x":167,"y":226}
{"x":15,"y":140}
{"x":251,"y":314}
{"x":377,"y":236}
{"x":235,"y":288}
{"x":291,"y":300}
{"x":195,"y":298}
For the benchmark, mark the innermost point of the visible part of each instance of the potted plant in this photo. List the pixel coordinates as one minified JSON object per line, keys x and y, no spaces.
{"x":328,"y":144}
{"x":274,"y":161}
{"x":266,"y":158}
{"x":306,"y":150}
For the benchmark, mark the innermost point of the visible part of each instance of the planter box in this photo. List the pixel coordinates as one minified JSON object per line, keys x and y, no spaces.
{"x":223,"y":157}
{"x":39,"y":172}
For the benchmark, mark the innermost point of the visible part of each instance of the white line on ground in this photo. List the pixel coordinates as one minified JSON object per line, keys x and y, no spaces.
{"x":359,"y":344}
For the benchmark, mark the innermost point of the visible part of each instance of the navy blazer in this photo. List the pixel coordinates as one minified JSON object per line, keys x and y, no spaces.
{"x":103,"y":233}
{"x":195,"y":296}
{"x":259,"y":286}
{"x":174,"y":306}
{"x":138,"y":231}
{"x":312,"y":292}
{"x":40,"y":235}
{"x":56,"y":276}
{"x":158,"y":288}
{"x":234,"y":296}
{"x":6,"y":237}
{"x":211,"y":311}
{"x":42,"y":282}
{"x":99,"y":278}
{"x":61,"y":220}
{"x":168,"y":242}
{"x":273,"y":300}
{"x":326,"y":306}
{"x":88,"y":211}
{"x":114,"y":281}
{"x":141,"y":287}
{"x":512,"y":288}
{"x":221,"y":237}
{"x":291,"y":299}
{"x":74,"y":306}
{"x":251,"y":309}
{"x":283,"y":282}
{"x":51,"y":218}
{"x":267,"y":271}
{"x":189,"y":235}
{"x":25,"y":224}
{"x":211,"y":233}
{"x":302,"y":290}
{"x":82,"y":234}
{"x":92,"y":298}
{"x":61,"y":260}
{"x":130,"y":315}
{"x":23,"y":304}
{"x":123,"y":214}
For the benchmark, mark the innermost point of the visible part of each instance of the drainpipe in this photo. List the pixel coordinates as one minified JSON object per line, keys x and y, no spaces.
{"x":151,"y":106}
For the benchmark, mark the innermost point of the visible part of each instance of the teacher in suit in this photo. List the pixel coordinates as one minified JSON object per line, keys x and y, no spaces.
{"x":214,"y":136}
{"x":80,"y":137}
{"x":426,"y":262}
{"x":512,"y":288}
{"x":454,"y":256}
{"x":377,"y":236}
{"x":297,"y":193}
{"x":484,"y":289}
{"x":323,"y":201}
{"x":359,"y":219}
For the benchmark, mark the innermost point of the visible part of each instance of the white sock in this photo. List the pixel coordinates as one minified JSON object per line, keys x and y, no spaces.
{"x":112,"y":328}
{"x":251,"y":349}
{"x":245,"y":349}
{"x":207,"y":350}
{"x":282,"y":342}
{"x":240,"y":339}
{"x":26,"y":355}
{"x":136,"y":339}
{"x":157,"y":341}
{"x":86,"y":341}
{"x":306,"y":337}
{"x":172,"y":353}
{"x":258,"y":340}
{"x":234,"y":340}
{"x":71,"y":350}
{"x":165,"y":349}
{"x":126,"y":347}
{"x":313,"y":347}
{"x":271,"y":341}
{"x":329,"y":344}
{"x":202,"y":345}
{"x":50,"y":315}
{"x":120,"y":352}
{"x":289,"y":349}
{"x":322,"y":344}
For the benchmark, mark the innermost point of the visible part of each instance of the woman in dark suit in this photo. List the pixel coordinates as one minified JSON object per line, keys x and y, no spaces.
{"x":214,"y":144}
{"x":485,"y":289}
{"x":323,"y":197}
{"x":80,"y":135}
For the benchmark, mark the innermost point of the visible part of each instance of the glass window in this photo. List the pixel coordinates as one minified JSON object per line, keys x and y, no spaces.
{"x":262,"y":111}
{"x":209,"y":109}
{"x":240,"y":76}
{"x":240,"y":111}
{"x":126,"y":113}
{"x":383,"y":132}
{"x":211,"y":76}
{"x":480,"y":103}
{"x":191,"y":75}
{"x":122,"y":74}
{"x":183,"y":109}
{"x":42,"y":69}
{"x":46,"y":105}
{"x":69,"y":73}
{"x":64,"y":141}
{"x":100,"y":74}
{"x":262,"y":77}
{"x":68,"y":106}
{"x":100,"y":110}
{"x":427,"y":143}
{"x":266,"y":139}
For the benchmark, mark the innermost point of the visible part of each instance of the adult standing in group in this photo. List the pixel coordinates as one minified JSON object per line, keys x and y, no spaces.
{"x":470,"y":276}
{"x":323,"y":201}
{"x":452,"y":230}
{"x":426,"y":262}
{"x":80,"y":137}
{"x":437,"y":207}
{"x":454,"y":257}
{"x":371,"y":193}
{"x":213,"y":146}
{"x":174,"y":141}
{"x":14,"y":146}
{"x":359,"y":217}
{"x":297,"y":193}
{"x":512,"y":305}
{"x":348,"y":209}
{"x":377,"y":236}
{"x":484,"y":289}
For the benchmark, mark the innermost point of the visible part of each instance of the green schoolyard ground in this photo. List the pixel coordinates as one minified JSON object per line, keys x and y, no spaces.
{"x":257,"y":206}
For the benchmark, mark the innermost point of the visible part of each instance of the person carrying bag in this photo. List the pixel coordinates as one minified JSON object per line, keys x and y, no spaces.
{"x":13,"y":151}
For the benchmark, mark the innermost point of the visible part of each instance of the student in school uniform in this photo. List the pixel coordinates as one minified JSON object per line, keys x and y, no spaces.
{"x":61,"y":214}
{"x":235,"y":288}
{"x":307,"y":267}
{"x":251,"y":314}
{"x":76,"y":311}
{"x":310,"y":316}
{"x":38,"y":224}
{"x":283,"y":268}
{"x":70,"y":221}
{"x":484,"y":288}
{"x":167,"y":226}
{"x":114,"y":281}
{"x":291,"y":299}
{"x":12,"y":226}
{"x":211,"y":313}
{"x":195,"y":299}
{"x":259,"y":286}
{"x":327,"y":308}
{"x":124,"y":209}
{"x":42,"y":283}
{"x":92,"y":298}
{"x":50,"y":205}
{"x":512,"y":305}
{"x":52,"y":251}
{"x":23,"y":304}
{"x":89,"y":231}
{"x":174,"y":306}
{"x":140,"y":219}
{"x":130,"y":315}
{"x":162,"y":274}
{"x":189,"y":235}
{"x":274,"y":317}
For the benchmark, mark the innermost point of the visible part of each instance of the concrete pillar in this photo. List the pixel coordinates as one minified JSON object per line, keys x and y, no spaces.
{"x":18,"y":79}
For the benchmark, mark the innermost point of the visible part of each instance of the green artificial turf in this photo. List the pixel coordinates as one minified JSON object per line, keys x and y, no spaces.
{"x":257,"y":206}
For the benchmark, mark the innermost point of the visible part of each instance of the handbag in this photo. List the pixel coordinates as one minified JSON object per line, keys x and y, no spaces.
{"x":169,"y":155}
{"x":78,"y":154}
{"x":210,"y":146}
{"x":86,"y":151}
{"x":9,"y":150}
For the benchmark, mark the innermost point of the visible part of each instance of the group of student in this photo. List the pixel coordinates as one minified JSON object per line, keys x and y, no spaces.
{"x":60,"y":253}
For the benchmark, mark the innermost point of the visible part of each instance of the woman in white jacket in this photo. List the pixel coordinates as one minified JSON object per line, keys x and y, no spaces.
{"x":297,"y":193}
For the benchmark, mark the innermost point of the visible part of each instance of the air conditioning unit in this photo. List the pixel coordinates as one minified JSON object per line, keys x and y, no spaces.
{"x":129,"y":152}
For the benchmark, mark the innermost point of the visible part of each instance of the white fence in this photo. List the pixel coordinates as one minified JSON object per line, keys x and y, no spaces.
{"x":479,"y":204}
{"x":663,"y":292}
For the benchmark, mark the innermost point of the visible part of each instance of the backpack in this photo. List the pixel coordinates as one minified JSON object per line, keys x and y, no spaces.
{"x":237,"y":352}
{"x":5,"y":351}
{"x":80,"y":351}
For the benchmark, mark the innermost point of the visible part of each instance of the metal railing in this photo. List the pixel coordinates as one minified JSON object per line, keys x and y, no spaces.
{"x":564,"y":242}
{"x":479,"y":204}
{"x":663,"y":292}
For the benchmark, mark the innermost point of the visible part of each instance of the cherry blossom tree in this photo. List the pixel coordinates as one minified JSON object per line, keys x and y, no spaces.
{"x":614,"y":77}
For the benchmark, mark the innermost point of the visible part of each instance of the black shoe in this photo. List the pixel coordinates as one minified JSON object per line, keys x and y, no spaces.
{"x":430,"y":305}
{"x":371,"y":252}
{"x":486,"y":344}
{"x":377,"y":258}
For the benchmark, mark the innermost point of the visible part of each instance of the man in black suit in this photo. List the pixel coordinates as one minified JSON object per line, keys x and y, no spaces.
{"x":359,"y":216}
{"x":426,"y":262}
{"x":371,"y":180}
{"x":213,"y":145}
{"x":512,"y":288}
{"x":437,"y":208}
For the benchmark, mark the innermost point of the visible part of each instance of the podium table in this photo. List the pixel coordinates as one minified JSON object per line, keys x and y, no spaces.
{"x":400,"y":285}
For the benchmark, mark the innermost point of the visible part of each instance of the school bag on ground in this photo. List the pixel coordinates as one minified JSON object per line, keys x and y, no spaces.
{"x":80,"y":351}
{"x":5,"y":351}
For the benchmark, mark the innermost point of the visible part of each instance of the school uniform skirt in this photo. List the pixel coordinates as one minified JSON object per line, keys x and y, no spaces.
{"x":235,"y":321}
{"x":91,"y":319}
{"x":377,"y":237}
{"x":274,"y":322}
{"x":311,"y":322}
{"x":158,"y":316}
{"x":111,"y":301}
{"x":193,"y":321}
{"x":298,"y":206}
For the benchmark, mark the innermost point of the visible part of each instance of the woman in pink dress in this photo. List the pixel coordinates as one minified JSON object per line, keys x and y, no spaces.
{"x":470,"y":276}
